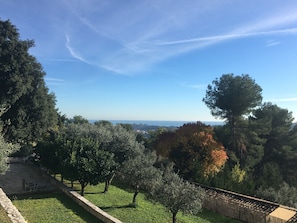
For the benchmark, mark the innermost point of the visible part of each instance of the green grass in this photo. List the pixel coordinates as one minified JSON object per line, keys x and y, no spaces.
{"x":117,"y":203}
{"x":3,"y":216}
{"x":57,"y":207}
{"x":51,"y":208}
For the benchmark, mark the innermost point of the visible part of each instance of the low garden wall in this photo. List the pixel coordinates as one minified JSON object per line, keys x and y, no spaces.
{"x":12,"y":212}
{"x":84,"y":203}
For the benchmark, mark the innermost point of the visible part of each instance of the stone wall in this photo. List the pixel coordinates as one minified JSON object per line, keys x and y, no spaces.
{"x":247,"y":209}
{"x":233,"y":210}
{"x":10,"y":209}
{"x":84,"y":203}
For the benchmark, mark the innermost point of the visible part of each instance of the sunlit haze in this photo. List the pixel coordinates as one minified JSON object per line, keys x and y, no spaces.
{"x":153,"y":59}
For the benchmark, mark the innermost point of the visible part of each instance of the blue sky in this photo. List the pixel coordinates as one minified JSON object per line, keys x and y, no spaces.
{"x":153,"y":59}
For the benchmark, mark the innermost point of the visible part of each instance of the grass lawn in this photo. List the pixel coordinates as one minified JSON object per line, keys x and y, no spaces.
{"x":3,"y":216}
{"x":51,"y":208}
{"x":116,"y":203}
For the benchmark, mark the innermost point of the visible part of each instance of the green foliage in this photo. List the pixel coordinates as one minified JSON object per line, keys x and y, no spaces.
{"x":253,"y":151}
{"x":89,"y":153}
{"x":91,"y":164}
{"x":178,"y":195}
{"x":140,"y":173}
{"x":15,"y":69}
{"x":123,"y":144}
{"x":5,"y":149}
{"x":287,"y":195}
{"x":128,"y":127}
{"x":270,"y":175}
{"x":280,"y":154}
{"x":232,"y":96}
{"x":269,"y":193}
{"x":77,"y":151}
{"x":237,"y":174}
{"x":48,"y":151}
{"x":78,"y":119}
{"x":27,"y":109}
{"x":103,"y":122}
{"x":283,"y":194}
{"x":264,"y":143}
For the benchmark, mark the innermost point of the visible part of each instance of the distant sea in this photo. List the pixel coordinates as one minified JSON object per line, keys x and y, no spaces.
{"x":160,"y":123}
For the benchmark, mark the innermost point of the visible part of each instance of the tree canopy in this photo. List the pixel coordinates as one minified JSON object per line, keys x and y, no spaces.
{"x":89,"y":153}
{"x":140,"y":173}
{"x":177,"y":195}
{"x":193,"y":149}
{"x":27,"y":109}
{"x":5,"y":150}
{"x":232,"y":96}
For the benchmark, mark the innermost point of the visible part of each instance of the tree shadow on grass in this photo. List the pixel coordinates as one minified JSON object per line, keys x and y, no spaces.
{"x":94,"y":192}
{"x":117,"y":207}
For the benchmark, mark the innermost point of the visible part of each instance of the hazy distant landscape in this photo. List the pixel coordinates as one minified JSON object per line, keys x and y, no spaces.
{"x":145,"y":125}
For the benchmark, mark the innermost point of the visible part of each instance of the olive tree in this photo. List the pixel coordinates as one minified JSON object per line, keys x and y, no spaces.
{"x":177,"y":195}
{"x":5,"y":150}
{"x":140,"y":174}
{"x":91,"y":164}
{"x":123,"y":145}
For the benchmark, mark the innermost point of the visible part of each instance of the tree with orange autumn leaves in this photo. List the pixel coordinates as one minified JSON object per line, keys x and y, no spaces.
{"x":193,"y":150}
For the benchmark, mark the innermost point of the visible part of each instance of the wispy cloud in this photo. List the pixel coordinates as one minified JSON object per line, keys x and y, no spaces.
{"x":126,"y":41}
{"x":54,"y":81}
{"x":73,"y":52}
{"x":284,"y":100}
{"x":59,"y":60}
{"x":219,"y":38}
{"x":272,"y":43}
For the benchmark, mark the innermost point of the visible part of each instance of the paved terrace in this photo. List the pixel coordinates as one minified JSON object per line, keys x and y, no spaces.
{"x":22,"y":178}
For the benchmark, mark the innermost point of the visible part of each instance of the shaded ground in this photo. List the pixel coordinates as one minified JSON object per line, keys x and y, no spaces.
{"x":13,"y":181}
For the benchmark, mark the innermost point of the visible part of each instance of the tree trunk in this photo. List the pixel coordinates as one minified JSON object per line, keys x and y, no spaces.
{"x":233,"y":133}
{"x":83,"y":185}
{"x":82,"y":191}
{"x":135,"y":194}
{"x":108,"y":182}
{"x":174,"y":217}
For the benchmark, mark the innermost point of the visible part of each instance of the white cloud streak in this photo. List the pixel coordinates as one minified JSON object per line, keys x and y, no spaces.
{"x":54,"y":81}
{"x":219,"y":38}
{"x":284,"y":100}
{"x":73,"y":53}
{"x":126,"y":41}
{"x":272,"y":43}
